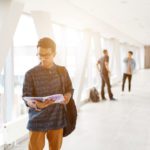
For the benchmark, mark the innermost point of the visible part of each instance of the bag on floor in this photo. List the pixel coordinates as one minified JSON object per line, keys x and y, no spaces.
{"x":94,"y":95}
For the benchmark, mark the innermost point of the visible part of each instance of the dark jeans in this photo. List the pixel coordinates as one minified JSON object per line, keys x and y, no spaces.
{"x":125,"y":76}
{"x":106,"y":80}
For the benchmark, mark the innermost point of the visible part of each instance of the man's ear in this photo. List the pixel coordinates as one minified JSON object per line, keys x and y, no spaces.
{"x":54,"y":53}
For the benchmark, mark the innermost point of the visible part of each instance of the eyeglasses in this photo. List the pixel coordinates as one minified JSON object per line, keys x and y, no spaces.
{"x":46,"y":56}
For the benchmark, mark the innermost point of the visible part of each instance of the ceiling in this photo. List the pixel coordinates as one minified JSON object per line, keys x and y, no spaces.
{"x":130,"y":18}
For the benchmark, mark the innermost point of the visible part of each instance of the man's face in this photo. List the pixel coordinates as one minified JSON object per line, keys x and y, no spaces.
{"x":46,"y":56}
{"x":129,"y":55}
{"x":106,"y":53}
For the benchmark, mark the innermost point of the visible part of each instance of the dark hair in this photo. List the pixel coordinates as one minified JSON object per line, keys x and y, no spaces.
{"x":105,"y":51}
{"x":130,"y":52}
{"x":47,"y":43}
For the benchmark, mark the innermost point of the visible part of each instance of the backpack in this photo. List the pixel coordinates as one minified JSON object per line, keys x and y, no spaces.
{"x":70,"y":108}
{"x":71,"y":116}
{"x":94,"y":95}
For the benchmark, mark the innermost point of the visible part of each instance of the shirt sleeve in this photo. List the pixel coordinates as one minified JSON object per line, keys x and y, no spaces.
{"x":28,"y":88}
{"x":107,"y":59}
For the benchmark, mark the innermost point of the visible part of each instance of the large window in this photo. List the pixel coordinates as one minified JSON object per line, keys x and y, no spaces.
{"x":25,"y":40}
{"x":69,"y":42}
{"x":69,"y":47}
{"x":70,"y":53}
{"x":123,"y":52}
{"x":1,"y":98}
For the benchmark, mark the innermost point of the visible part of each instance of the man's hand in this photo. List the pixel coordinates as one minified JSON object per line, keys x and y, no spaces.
{"x":44,"y":104}
{"x":67,"y":97}
{"x":98,"y":67}
{"x":32,"y":104}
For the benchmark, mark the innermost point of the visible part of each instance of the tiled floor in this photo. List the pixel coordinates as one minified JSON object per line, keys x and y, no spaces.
{"x":114,"y":125}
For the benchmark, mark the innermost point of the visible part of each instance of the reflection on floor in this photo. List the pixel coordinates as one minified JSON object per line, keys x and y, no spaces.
{"x":114,"y":125}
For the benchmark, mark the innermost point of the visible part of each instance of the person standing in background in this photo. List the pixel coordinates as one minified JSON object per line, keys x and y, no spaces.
{"x":129,"y":68}
{"x":103,"y":67}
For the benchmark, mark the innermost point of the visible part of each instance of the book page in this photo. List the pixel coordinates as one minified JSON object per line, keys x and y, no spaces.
{"x":57,"y":98}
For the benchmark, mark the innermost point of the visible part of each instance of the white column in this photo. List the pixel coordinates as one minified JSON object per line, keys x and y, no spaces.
{"x":82,"y":65}
{"x":123,"y":55}
{"x":61,"y":56}
{"x":138,"y":57}
{"x":135,"y":56}
{"x":10,"y":12}
{"x":116,"y":57}
{"x":97,"y":44}
{"x":98,"y":53}
{"x":9,"y":86}
{"x":142,"y":54}
{"x":43,"y":23}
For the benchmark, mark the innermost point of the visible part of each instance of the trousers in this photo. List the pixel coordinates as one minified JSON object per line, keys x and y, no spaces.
{"x":37,"y":139}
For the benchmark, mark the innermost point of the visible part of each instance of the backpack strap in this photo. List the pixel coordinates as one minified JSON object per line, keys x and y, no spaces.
{"x":61,"y":73}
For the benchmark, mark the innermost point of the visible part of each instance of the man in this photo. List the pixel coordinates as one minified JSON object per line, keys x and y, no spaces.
{"x":46,"y":118}
{"x":103,"y":67}
{"x":129,"y":68}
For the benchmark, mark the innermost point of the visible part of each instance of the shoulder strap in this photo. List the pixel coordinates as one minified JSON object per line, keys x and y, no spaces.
{"x":60,"y":71}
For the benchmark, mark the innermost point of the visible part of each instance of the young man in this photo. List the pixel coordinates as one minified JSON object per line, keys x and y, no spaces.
{"x":129,"y":68}
{"x":103,"y":67}
{"x":46,"y":118}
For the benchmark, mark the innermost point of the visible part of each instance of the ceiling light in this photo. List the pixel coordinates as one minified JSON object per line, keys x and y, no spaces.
{"x":135,"y":19}
{"x":124,"y":2}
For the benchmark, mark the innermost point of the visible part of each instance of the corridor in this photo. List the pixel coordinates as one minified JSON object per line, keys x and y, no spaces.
{"x":114,"y":125}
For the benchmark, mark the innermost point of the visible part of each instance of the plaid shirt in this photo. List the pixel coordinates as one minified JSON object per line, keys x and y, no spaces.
{"x":40,"y":81}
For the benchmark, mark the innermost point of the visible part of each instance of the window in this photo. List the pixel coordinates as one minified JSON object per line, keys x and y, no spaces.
{"x":69,"y":43}
{"x":25,"y":40}
{"x":1,"y":98}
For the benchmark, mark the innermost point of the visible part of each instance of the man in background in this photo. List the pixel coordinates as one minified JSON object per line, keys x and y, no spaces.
{"x":129,"y":68}
{"x":103,"y":67}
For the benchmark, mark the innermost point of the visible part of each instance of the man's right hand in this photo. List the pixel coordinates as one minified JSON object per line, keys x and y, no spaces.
{"x":32,"y":104}
{"x":44,"y":104}
{"x":37,"y":105}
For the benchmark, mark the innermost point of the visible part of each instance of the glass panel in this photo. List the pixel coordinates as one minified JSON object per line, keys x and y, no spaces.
{"x":69,"y":43}
{"x":1,"y":98}
{"x":25,"y":41}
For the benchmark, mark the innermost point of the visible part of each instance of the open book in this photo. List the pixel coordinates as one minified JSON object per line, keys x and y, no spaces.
{"x":57,"y":98}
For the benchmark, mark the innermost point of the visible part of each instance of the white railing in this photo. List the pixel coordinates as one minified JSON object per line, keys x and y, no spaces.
{"x":2,"y":142}
{"x":13,"y":131}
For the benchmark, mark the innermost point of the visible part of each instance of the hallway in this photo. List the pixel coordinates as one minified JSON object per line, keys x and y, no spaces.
{"x":114,"y":125}
{"x":82,"y":37}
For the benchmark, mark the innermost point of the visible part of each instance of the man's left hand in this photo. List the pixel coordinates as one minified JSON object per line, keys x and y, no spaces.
{"x":67,"y":97}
